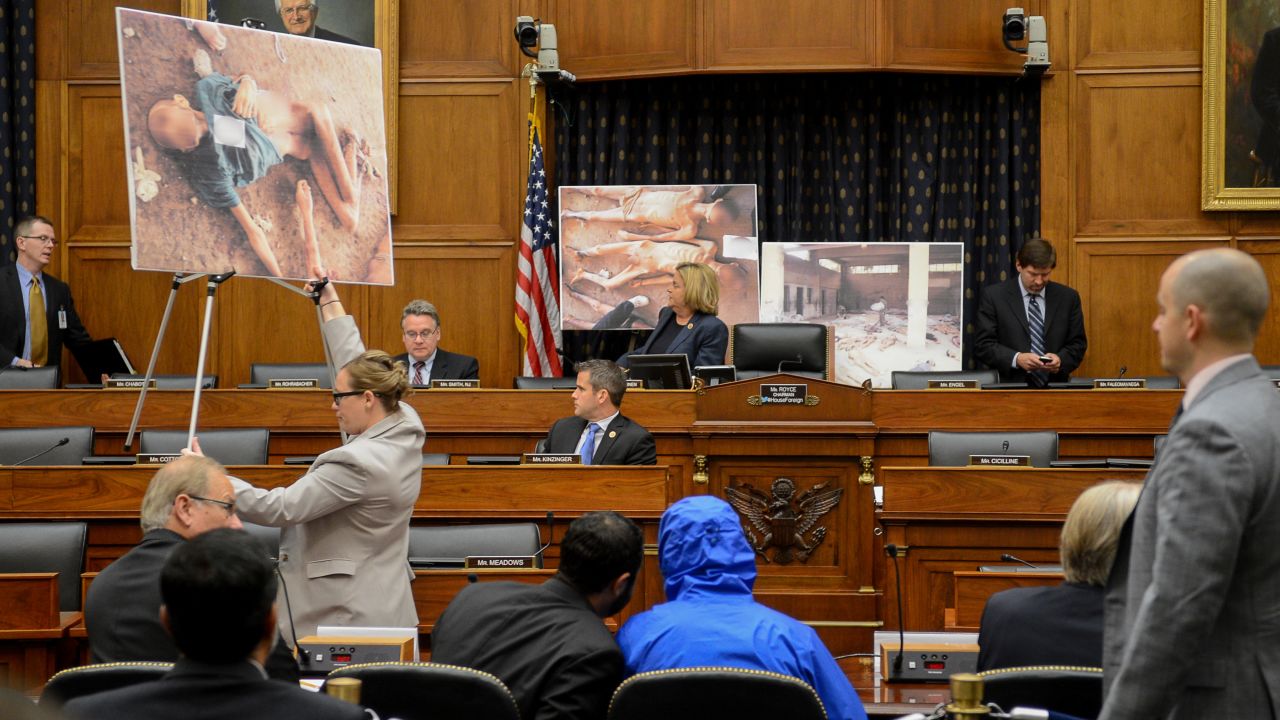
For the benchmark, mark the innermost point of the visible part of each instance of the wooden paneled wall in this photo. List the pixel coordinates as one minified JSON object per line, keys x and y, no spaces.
{"x":1120,"y":136}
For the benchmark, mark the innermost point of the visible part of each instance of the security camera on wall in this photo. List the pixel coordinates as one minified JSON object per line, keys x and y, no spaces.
{"x":530,"y":34}
{"x":1016,"y":26}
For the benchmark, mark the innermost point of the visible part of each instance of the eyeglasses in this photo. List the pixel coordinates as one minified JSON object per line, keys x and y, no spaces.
{"x":295,"y":9}
{"x":339,"y":395}
{"x":411,"y":335}
{"x":230,"y":507}
{"x":44,"y":239}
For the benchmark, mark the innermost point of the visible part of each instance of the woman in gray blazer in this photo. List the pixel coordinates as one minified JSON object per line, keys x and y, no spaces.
{"x":344,"y":548}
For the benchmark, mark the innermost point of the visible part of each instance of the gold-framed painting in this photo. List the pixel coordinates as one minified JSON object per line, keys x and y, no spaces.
{"x":1240,"y":160}
{"x":371,"y":23}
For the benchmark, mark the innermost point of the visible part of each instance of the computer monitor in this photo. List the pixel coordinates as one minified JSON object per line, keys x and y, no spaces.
{"x":716,"y":374}
{"x":661,"y":372}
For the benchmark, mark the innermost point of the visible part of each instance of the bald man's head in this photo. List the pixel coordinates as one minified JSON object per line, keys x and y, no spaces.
{"x":1228,"y":286}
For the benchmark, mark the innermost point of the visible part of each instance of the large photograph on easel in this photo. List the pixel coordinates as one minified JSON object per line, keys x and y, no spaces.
{"x":620,"y":245}
{"x":892,"y":306}
{"x":254,"y":151}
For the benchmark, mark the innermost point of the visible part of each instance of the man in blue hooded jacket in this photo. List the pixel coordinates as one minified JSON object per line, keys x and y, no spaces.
{"x":711,"y":619}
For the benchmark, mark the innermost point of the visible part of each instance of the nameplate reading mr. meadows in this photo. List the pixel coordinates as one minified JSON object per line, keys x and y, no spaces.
{"x":501,"y":562}
{"x":774,"y":394}
{"x":157,"y":458}
{"x":455,"y":384}
{"x":127,"y":384}
{"x":953,"y":384}
{"x":293,"y":384}
{"x":1005,"y":460}
{"x":550,"y":459}
{"x":1119,"y":384}
{"x":635,"y":384}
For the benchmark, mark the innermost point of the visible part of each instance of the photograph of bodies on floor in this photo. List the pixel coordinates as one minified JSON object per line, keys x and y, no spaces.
{"x":621,"y":244}
{"x":892,"y":306}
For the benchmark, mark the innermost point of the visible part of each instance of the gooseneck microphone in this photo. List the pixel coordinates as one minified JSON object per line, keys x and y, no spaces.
{"x":551,"y":518}
{"x":1004,"y":447}
{"x":303,"y":658}
{"x":798,"y":361}
{"x":1123,"y":369}
{"x":892,"y":551}
{"x":43,"y":452}
{"x":1013,"y":558}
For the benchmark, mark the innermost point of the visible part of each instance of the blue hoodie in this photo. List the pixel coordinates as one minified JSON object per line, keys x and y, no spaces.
{"x":710,"y":617}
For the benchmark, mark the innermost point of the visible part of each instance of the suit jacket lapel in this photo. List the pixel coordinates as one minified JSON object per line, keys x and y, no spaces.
{"x":684,"y":337}
{"x":610,"y":437}
{"x":1019,"y":310}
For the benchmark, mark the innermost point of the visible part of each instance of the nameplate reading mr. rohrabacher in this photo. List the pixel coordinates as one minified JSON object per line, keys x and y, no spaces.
{"x":1001,"y":460}
{"x":293,"y":384}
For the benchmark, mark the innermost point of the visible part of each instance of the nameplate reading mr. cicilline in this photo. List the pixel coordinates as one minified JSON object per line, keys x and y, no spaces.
{"x":1001,"y":460}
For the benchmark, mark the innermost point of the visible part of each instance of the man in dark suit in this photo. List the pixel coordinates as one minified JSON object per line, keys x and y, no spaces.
{"x":299,"y":18}
{"x":1193,"y":600}
{"x":186,"y":498}
{"x":1062,"y":624}
{"x":420,"y":325}
{"x":547,"y":642}
{"x":1026,"y":318}
{"x":598,"y":431}
{"x":23,"y":286}
{"x":219,"y":595}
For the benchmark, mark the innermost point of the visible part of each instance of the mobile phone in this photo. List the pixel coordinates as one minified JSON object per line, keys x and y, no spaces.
{"x":1046,"y":359}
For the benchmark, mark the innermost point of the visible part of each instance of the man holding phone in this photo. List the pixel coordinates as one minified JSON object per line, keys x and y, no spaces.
{"x":1030,"y":329}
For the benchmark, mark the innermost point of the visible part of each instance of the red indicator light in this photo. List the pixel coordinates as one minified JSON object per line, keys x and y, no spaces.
{"x":934,"y":665}
{"x":343,"y":658}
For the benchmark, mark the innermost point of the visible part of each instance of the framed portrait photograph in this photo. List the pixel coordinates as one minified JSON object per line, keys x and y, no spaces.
{"x":1240,"y":166}
{"x":370,"y":23}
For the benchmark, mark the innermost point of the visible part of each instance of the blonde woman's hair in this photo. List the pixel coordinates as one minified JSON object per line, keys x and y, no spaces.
{"x":188,"y":475}
{"x":378,"y":373}
{"x":1092,"y":531}
{"x":701,"y":287}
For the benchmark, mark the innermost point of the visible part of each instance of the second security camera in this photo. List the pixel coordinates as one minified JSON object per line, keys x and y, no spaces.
{"x":1016,"y":26}
{"x":527,"y":34}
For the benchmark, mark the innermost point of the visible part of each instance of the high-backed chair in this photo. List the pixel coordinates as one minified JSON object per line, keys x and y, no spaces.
{"x":18,"y":444}
{"x":758,"y":349}
{"x":714,"y":692}
{"x":41,"y":378}
{"x":234,"y":446}
{"x":954,"y":448}
{"x":34,"y":547}
{"x":1066,"y":689}
{"x":422,"y":691}
{"x":454,"y":542}
{"x":89,"y":679}
{"x":524,"y":382}
{"x":914,"y":380}
{"x":173,"y":382}
{"x":260,"y":373}
{"x":268,"y":537}
{"x":1159,"y":382}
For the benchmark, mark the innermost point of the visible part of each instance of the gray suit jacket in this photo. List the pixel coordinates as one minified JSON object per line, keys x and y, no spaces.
{"x":344,"y":551}
{"x":1193,"y":600}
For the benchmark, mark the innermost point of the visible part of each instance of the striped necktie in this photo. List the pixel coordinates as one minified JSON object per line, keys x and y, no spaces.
{"x":1035,"y":321}
{"x":417,"y":372}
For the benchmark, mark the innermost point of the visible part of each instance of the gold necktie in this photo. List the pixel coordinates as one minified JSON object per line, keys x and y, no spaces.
{"x":39,"y":326}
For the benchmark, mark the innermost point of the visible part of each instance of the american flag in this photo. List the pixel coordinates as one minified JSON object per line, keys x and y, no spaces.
{"x":537,"y":278}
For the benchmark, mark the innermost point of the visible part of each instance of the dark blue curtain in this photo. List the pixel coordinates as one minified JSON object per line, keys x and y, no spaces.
{"x":837,"y":158}
{"x":17,"y":116}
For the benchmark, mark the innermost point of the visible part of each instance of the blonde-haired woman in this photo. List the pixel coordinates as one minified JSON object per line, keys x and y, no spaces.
{"x":688,"y":325}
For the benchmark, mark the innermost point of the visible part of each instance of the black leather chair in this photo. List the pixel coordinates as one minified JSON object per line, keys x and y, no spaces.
{"x":235,"y":446}
{"x":18,"y":444}
{"x":174,"y":382}
{"x":524,"y":382}
{"x":757,"y":349}
{"x":912,"y":380}
{"x":41,"y":378}
{"x":31,"y":547}
{"x":459,"y":541}
{"x":89,"y":679}
{"x":268,"y":537}
{"x":1070,"y":690}
{"x":260,"y":373}
{"x":952,"y":449}
{"x":1159,"y":382}
{"x":714,"y":692}
{"x":422,"y":691}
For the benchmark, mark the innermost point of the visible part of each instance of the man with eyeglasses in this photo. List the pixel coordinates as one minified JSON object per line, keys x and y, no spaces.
{"x":29,"y":293}
{"x":299,"y":18}
{"x":186,"y":498}
{"x":420,"y":325}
